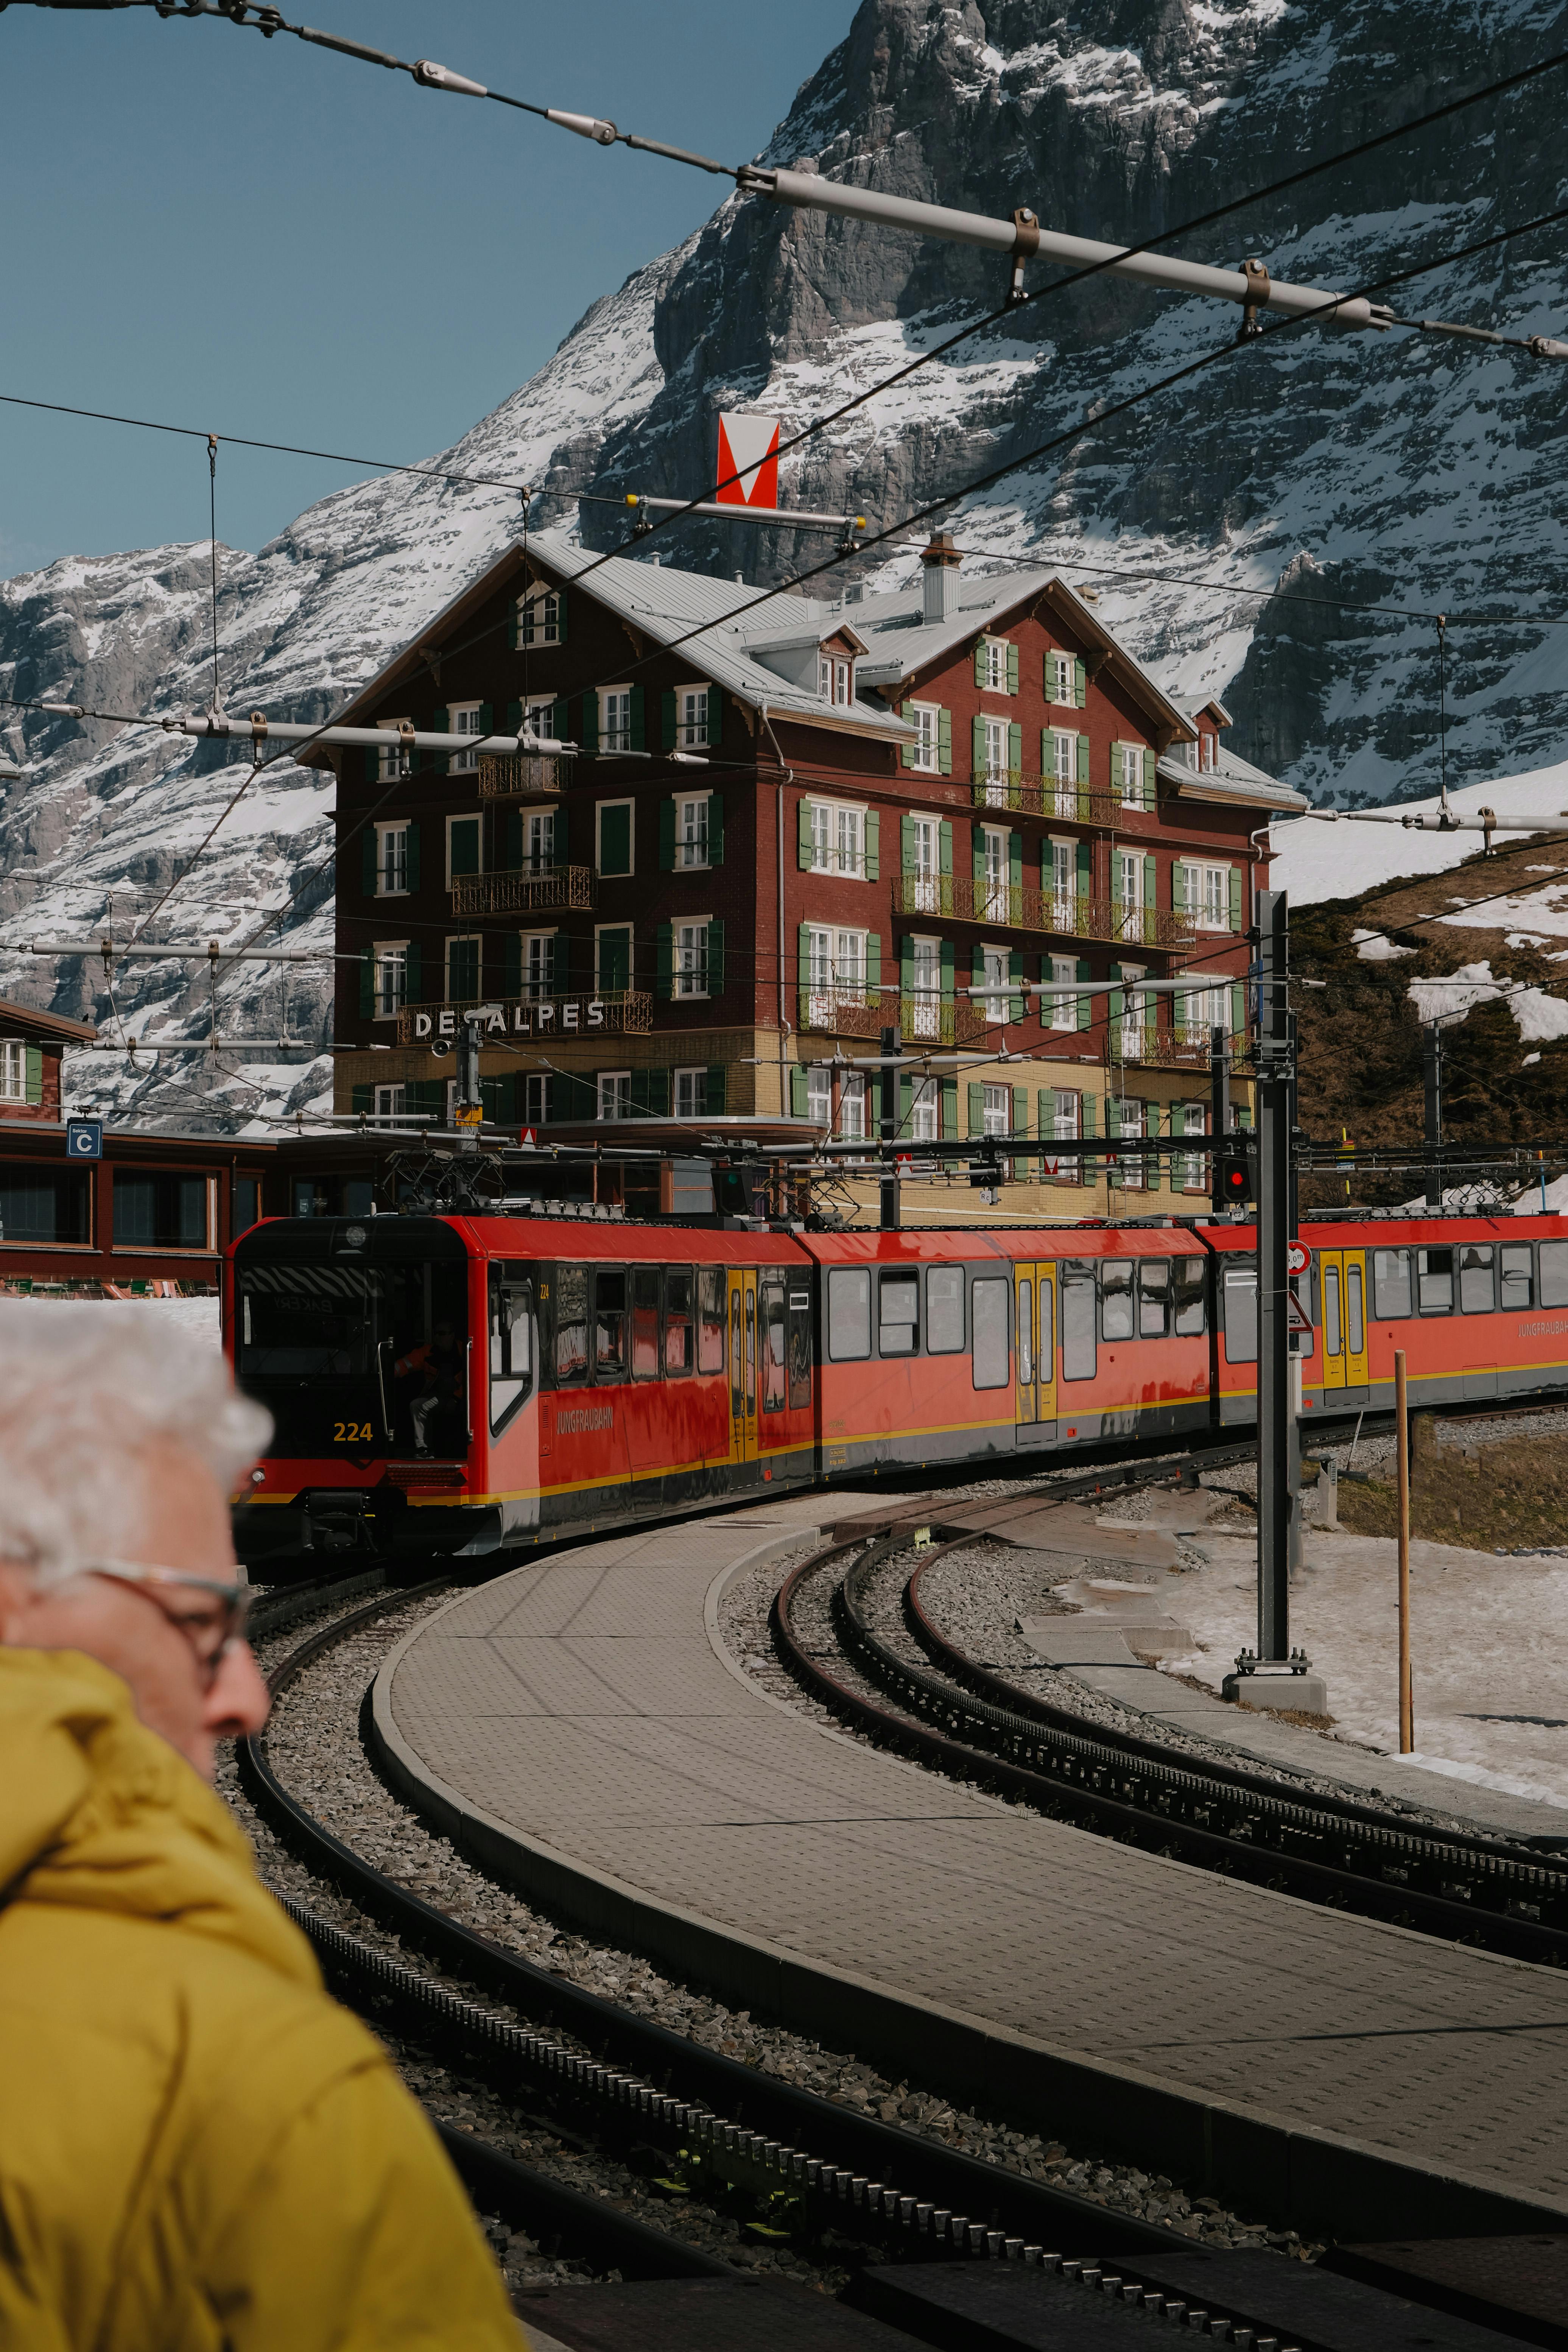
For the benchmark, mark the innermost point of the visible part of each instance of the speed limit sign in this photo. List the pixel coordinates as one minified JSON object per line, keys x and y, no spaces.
{"x":1298,"y":1257}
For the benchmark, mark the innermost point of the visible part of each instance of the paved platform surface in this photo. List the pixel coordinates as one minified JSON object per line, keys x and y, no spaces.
{"x":585,"y":1702}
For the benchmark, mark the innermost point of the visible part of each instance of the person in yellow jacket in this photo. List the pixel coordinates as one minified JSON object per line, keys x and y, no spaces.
{"x":199,"y":2150}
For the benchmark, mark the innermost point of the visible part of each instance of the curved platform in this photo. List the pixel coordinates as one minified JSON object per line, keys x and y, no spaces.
{"x":577,"y":1727}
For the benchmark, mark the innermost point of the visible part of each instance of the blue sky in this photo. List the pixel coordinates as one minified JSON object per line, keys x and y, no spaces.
{"x":256,"y":236}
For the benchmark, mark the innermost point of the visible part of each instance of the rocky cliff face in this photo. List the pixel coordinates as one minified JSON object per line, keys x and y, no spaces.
{"x":1302,"y":479}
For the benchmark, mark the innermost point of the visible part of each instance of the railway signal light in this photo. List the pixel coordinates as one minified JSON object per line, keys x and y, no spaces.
{"x":1236,"y":1174}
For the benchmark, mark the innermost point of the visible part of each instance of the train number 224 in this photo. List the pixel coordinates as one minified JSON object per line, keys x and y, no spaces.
{"x":351,"y":1432}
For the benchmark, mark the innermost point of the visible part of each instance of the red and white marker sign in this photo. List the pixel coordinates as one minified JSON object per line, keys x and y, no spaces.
{"x":1298,"y":1257}
{"x":529,"y":1137}
{"x":749,"y":446}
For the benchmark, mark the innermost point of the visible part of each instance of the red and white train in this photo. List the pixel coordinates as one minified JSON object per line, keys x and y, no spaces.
{"x":568,"y":1374}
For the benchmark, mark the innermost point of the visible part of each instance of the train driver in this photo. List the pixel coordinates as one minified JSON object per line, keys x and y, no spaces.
{"x":438,"y":1364}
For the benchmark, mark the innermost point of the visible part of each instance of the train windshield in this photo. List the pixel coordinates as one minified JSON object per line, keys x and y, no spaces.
{"x":373,"y":1358}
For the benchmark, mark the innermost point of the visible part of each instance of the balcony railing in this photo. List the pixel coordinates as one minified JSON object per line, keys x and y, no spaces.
{"x":923,"y":1020}
{"x":526,"y":775}
{"x":533,"y":889}
{"x":1047,"y":796}
{"x":1166,"y":1049}
{"x":626,"y":1012}
{"x":1010,"y":907}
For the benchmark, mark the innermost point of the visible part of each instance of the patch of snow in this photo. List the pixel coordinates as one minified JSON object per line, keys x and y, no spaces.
{"x":1316,"y":860}
{"x":1373,"y":947}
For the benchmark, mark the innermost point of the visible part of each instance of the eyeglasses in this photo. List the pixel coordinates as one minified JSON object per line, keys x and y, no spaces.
{"x":212,"y":1627}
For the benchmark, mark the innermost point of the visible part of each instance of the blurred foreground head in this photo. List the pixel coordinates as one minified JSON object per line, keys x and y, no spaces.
{"x":120,"y":1438}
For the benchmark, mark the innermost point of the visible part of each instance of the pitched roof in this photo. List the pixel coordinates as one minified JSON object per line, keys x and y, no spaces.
{"x":1192,"y":704}
{"x":1232,"y":781}
{"x":50,"y":1027}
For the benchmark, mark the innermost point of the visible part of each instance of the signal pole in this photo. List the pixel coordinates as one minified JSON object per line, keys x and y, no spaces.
{"x":1432,"y":1074}
{"x":1219,"y":1114}
{"x":1274,"y":1414}
{"x":892,"y":1045}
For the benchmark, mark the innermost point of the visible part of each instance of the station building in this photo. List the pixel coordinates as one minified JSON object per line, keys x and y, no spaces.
{"x":965,"y":811}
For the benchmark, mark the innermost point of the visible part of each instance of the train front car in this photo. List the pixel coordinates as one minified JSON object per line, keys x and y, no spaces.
{"x":368,"y":1343}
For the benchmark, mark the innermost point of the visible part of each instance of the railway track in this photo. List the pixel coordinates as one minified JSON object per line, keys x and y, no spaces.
{"x":962,"y":1718}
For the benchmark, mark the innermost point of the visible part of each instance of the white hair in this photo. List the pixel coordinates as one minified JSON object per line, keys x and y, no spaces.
{"x":84,"y":1390}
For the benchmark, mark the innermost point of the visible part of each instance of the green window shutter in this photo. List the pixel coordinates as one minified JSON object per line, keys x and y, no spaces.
{"x":1015,"y":861}
{"x":906,"y":966}
{"x":715,"y":828}
{"x":1115,"y":878}
{"x":427,"y":1097}
{"x":1086,"y":1113}
{"x":616,"y":839}
{"x":797,"y":1078}
{"x":1083,"y":868}
{"x":372,"y":765}
{"x":366,"y":986}
{"x":641,"y":1106}
{"x":413,"y":859}
{"x":944,"y":742}
{"x":873,"y":846}
{"x":715,"y":958}
{"x":1015,"y":975}
{"x":1085,"y":1004}
{"x":980,"y":663}
{"x":1151,"y":1129}
{"x":638,"y":727}
{"x":715,"y":717}
{"x":464,"y":837}
{"x":1151,"y":789}
{"x":1151,"y":892}
{"x":907,"y":845}
{"x":944,"y":846}
{"x":369,"y":845}
{"x":361,"y":1101}
{"x":906,"y":1101}
{"x":950,"y":1107}
{"x":1014,"y":747}
{"x":666,"y":836}
{"x":1117,"y":1006}
{"x":1237,"y":1009}
{"x":1012,"y":669}
{"x":35,"y":1074}
{"x":1116,"y":771}
{"x":977,"y":852}
{"x":514,"y":625}
{"x":1079,"y":683}
{"x":1236,"y":898}
{"x":1045,"y":1119}
{"x":664,"y":962}
{"x":561,"y":616}
{"x":487,"y":719}
{"x":511,"y":963}
{"x":512,"y":842}
{"x":1020,"y":1111}
{"x":515,"y":719}
{"x":873,"y":961}
{"x":588,"y":727}
{"x":414,"y":974}
{"x":667,"y":717}
{"x":614,"y":961}
{"x":977,"y":746}
{"x":1178,"y":886}
{"x":803,"y":954}
{"x":1048,"y":754}
{"x":803,"y":838}
{"x":1083,"y":758}
{"x":561,"y":720}
{"x":976,"y":1110}
{"x":907,"y":750}
{"x":718,"y":1089}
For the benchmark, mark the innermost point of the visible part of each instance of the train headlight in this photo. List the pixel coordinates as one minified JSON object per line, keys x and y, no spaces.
{"x":355,"y":1237}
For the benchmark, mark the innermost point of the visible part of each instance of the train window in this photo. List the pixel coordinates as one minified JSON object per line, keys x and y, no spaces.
{"x":1435,"y":1281}
{"x":1026,"y":1326}
{"x":898,"y":1314}
{"x":1241,"y":1314}
{"x":799,"y":1349}
{"x":1190,"y":1317}
{"x":1516,"y":1269}
{"x":570,"y":1323}
{"x":1153,"y":1298}
{"x":646,"y":1287}
{"x":1390,"y":1284}
{"x":775,"y":1347}
{"x":1555,"y":1274}
{"x":989,"y":1309}
{"x":944,"y":1310}
{"x":609,"y":1322}
{"x":710,"y":1318}
{"x":1356,"y":1310}
{"x":677,"y":1319}
{"x":1116,"y":1298}
{"x":1333,"y":1324}
{"x":737,"y":1358}
{"x":511,"y":1341}
{"x":1079,"y":1308}
{"x":848,"y":1314}
{"x":1478,"y":1294}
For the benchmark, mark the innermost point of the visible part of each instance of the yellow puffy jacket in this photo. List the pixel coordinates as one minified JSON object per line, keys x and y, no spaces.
{"x":199,"y":2152}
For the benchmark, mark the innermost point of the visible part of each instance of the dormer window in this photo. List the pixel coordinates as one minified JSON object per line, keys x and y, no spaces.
{"x":542,"y":618}
{"x":835,"y":679}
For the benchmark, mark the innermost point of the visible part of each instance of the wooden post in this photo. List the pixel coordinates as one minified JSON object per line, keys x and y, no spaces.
{"x":1402,"y":1449}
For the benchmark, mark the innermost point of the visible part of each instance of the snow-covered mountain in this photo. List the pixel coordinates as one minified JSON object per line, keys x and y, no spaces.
{"x":1302,"y":479}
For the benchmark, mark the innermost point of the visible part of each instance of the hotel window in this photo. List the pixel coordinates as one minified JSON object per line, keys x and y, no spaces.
{"x":536,"y":1097}
{"x":833,"y":838}
{"x":1064,"y":767}
{"x":691,"y":958}
{"x":616,"y":851}
{"x":995,"y":874}
{"x":1130,"y":877}
{"x":1129,"y":757}
{"x":538,"y":964}
{"x":465,"y":719}
{"x":1063,"y":872}
{"x":538,"y":841}
{"x":835,"y":679}
{"x":996,"y":667}
{"x":615,"y":718}
{"x":615,"y":1094}
{"x":391,"y":976}
{"x":992,"y":1004}
{"x":1127,"y":1118}
{"x":924,"y":1111}
{"x":1206,"y":895}
{"x":1188,"y":1174}
{"x":852,"y":1107}
{"x":390,"y":861}
{"x":691,"y":831}
{"x":542,"y":618}
{"x":924,"y":1014}
{"x":690,"y":718}
{"x":691,"y":1093}
{"x":924,"y":717}
{"x":13,"y":1070}
{"x":1059,"y":1004}
{"x":391,"y":1102}
{"x":819,"y":1094}
{"x":539,"y":719}
{"x":396,"y":760}
{"x":1200,"y":1009}
{"x":997,"y":1110}
{"x":1059,"y":679}
{"x":465,"y":837}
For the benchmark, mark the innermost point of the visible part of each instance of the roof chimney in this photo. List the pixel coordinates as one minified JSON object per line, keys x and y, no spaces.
{"x":940,"y":560}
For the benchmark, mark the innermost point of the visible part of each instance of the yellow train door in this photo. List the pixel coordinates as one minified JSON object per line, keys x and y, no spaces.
{"x":1034,"y":1353}
{"x":743,"y":1367}
{"x":1342,"y":1275}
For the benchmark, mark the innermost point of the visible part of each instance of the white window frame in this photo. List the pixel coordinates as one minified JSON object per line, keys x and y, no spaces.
{"x":540,"y":822}
{"x":539,"y":715}
{"x":852,"y":1125}
{"x":538,"y":952}
{"x":925,"y":1110}
{"x":997,"y":1109}
{"x":692,"y":1082}
{"x":618,"y":737}
{"x":464,"y":816}
{"x":1059,"y":1004}
{"x":995,"y":679}
{"x":13,"y":1069}
{"x":389,"y":1002}
{"x":831,"y":972}
{"x":614,"y":1089}
{"x":396,"y":758}
{"x":536,"y":1097}
{"x":539,"y":617}
{"x":827,"y":855}
{"x":926,"y":720}
{"x":1204,"y":882}
{"x":1130,"y":782}
{"x":1066,"y":786}
{"x":688,"y":981}
{"x":1138,"y":1012}
{"x":692,"y":835}
{"x":924,"y":1016}
{"x":463,"y":719}
{"x":599,"y":808}
{"x":1199,"y":1011}
{"x":390,"y":1102}
{"x":997,"y":885}
{"x":1061,"y":691}
{"x":1187,"y":1175}
{"x":1063,"y":893}
{"x":993,"y":1001}
{"x":998,"y":753}
{"x":463,"y":940}
{"x":1133,"y":1174}
{"x":385,"y":836}
{"x":693,"y":734}
{"x":819,"y":1094}
{"x":835,"y":679}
